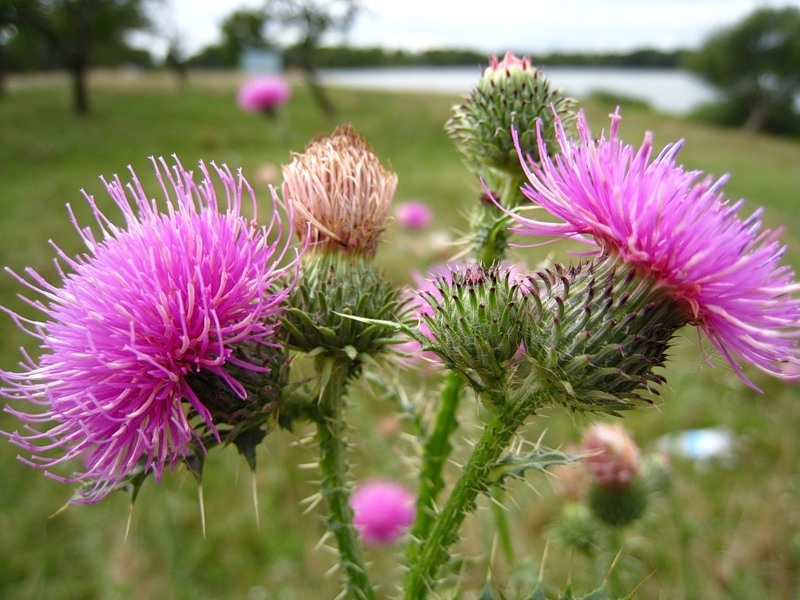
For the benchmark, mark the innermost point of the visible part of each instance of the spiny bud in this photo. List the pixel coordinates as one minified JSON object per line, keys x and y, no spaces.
{"x":575,"y":528}
{"x":339,"y":187}
{"x":511,"y":93}
{"x":477,"y":320}
{"x":618,"y":507}
{"x":600,"y":333}
{"x":332,"y":285}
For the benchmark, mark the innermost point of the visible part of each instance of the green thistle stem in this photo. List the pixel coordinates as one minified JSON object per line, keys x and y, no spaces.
{"x":437,"y":450}
{"x":475,"y":478}
{"x":331,"y":436}
{"x":504,"y":536}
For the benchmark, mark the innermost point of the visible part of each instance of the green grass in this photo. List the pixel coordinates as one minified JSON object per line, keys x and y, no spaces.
{"x":743,"y":522}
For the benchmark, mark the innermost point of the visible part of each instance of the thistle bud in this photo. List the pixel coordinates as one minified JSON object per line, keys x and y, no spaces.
{"x":477,"y":319}
{"x":340,"y":193}
{"x":511,"y":93}
{"x":332,"y":285}
{"x":618,"y":507}
{"x":599,"y":334}
{"x":575,"y":528}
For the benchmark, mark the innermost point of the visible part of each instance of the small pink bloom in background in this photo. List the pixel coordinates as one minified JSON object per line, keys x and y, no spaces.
{"x":264,"y":93}
{"x":413,"y":214}
{"x":383,"y":511}
{"x":612,"y":455}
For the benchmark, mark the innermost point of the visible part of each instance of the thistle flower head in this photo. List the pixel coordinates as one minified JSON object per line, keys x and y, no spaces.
{"x":383,"y":511}
{"x":674,"y":228}
{"x":339,"y":187}
{"x":263,"y":94}
{"x":149,"y":305}
{"x":511,"y":93}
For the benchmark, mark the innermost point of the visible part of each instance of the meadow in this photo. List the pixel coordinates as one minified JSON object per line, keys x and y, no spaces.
{"x":724,"y":529}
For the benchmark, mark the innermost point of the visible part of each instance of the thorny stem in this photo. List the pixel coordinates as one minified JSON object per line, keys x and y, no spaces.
{"x":437,"y":450}
{"x":475,"y":477}
{"x":331,"y":436}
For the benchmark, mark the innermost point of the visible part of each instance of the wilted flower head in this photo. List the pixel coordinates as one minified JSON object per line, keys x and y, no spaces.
{"x":414,"y":214}
{"x":339,"y":186}
{"x":612,"y":456}
{"x":264,"y":93}
{"x":150,"y":304}
{"x":674,"y":228}
{"x":383,"y":510}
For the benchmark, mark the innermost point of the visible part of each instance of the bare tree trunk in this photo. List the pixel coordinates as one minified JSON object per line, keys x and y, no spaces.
{"x":757,"y":117}
{"x":80,"y":95}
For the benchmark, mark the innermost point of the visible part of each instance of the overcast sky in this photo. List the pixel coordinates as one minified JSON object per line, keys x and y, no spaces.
{"x":531,"y":26}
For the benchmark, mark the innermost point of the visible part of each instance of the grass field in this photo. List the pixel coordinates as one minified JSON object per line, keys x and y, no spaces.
{"x":724,"y":531}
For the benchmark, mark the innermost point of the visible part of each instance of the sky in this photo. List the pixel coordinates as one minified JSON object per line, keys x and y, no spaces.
{"x":529,"y":26}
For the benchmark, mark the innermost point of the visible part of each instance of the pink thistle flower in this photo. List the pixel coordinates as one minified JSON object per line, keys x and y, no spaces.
{"x":383,"y":511}
{"x":414,"y":214}
{"x":676,"y":228}
{"x":149,"y":304}
{"x":263,"y":94}
{"x":509,"y":64}
{"x":612,"y":455}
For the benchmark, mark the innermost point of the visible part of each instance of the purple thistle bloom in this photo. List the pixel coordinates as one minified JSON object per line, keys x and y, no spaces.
{"x":675,"y":227}
{"x":168,"y":295}
{"x":263,"y":94}
{"x":383,"y":510}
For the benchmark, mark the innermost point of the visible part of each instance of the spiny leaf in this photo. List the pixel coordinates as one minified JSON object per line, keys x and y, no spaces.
{"x":514,"y":465}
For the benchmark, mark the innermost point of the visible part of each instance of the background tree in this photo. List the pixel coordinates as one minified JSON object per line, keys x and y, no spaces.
{"x":756,"y":64}
{"x":312,"y":20}
{"x":241,"y":30}
{"x":78,"y":31}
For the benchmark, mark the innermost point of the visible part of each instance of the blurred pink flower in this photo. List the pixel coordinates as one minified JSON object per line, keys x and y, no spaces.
{"x":413,"y":214}
{"x":264,"y":93}
{"x":612,"y":455}
{"x":383,"y":511}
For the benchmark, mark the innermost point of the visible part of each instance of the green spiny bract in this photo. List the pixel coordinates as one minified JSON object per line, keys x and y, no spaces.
{"x":511,"y":93}
{"x":477,"y":322}
{"x":331,"y":286}
{"x":600,"y":333}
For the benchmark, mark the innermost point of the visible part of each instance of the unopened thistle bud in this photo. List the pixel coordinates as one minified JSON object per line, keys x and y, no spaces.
{"x":511,"y":93}
{"x":477,"y":320}
{"x":331,"y":286}
{"x":617,"y":495}
{"x":340,"y":192}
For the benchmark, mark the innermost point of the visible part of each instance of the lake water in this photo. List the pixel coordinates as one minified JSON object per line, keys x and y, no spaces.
{"x":666,"y":90}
